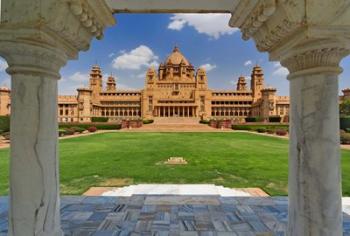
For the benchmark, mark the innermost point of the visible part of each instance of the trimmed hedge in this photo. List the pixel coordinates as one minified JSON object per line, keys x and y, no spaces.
{"x":281,"y":132}
{"x":85,"y":126}
{"x":253,"y":127}
{"x":92,"y":129}
{"x":146,"y":122}
{"x":254,"y":119}
{"x":261,"y":130}
{"x":275,"y":119}
{"x":4,"y":124}
{"x":345,"y":122}
{"x":206,"y":122}
{"x":344,"y":138}
{"x":99,"y":119}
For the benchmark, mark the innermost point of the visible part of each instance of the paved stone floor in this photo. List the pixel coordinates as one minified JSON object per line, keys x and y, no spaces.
{"x":172,"y":215}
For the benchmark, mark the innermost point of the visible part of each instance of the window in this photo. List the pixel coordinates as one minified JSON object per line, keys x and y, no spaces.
{"x":150,"y":103}
{"x":202,"y":103}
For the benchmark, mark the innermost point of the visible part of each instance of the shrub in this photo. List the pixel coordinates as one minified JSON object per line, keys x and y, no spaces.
{"x":270,"y":131}
{"x":206,"y":122}
{"x":254,"y":119}
{"x":5,"y":123}
{"x":6,"y":135}
{"x":146,"y":122}
{"x":92,"y":129}
{"x":61,"y":132}
{"x":250,"y":119}
{"x":78,"y":129}
{"x":109,"y":126}
{"x":241,"y":127}
{"x":275,"y":119}
{"x":69,"y":131}
{"x":344,"y":138}
{"x":345,"y":122}
{"x":261,"y":130}
{"x":281,"y":132}
{"x":99,"y":119}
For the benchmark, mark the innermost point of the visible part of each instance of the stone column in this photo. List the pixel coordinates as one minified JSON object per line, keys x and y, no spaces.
{"x":34,"y":176}
{"x":314,"y":152}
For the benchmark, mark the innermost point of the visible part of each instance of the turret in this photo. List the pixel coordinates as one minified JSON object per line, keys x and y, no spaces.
{"x":111,"y":85}
{"x":151,"y":77}
{"x":201,"y":79}
{"x":268,"y":102}
{"x":241,"y":84}
{"x":346,"y":94}
{"x":84,"y":104}
{"x":96,"y":82}
{"x":5,"y":101}
{"x":257,"y":82}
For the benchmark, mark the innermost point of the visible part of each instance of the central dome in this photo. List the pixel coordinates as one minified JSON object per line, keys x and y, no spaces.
{"x":176,"y":58}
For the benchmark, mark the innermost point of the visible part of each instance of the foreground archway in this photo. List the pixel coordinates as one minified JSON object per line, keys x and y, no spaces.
{"x":308,"y":37}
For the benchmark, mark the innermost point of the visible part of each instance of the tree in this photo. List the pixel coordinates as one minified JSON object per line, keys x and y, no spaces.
{"x":344,"y":108}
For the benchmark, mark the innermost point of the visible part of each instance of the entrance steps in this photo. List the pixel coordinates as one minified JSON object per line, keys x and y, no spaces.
{"x":176,"y":189}
{"x":176,"y":120}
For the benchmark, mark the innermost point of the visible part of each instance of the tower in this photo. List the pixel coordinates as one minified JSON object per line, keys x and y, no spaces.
{"x":268,"y":107}
{"x":201,"y":79}
{"x":257,"y":82}
{"x":5,"y":101}
{"x":96,"y":82}
{"x":241,"y":84}
{"x":111,"y":85}
{"x":84,"y":104}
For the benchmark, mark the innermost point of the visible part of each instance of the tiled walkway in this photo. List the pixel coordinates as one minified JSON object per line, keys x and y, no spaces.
{"x":172,"y":215}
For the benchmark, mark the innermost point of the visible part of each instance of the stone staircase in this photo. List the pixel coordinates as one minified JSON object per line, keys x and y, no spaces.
{"x":176,"y":189}
{"x":176,"y":120}
{"x":174,"y":124}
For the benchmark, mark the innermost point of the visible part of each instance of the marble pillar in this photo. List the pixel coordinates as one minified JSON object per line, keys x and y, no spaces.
{"x":34,"y":176}
{"x":314,"y":153}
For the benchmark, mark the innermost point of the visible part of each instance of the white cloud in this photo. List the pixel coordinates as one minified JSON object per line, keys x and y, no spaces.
{"x":3,"y":65}
{"x":141,"y":75}
{"x":79,"y":77}
{"x":208,"y":67}
{"x":111,"y":55}
{"x":213,"y":25}
{"x":135,"y":59}
{"x":279,"y":70}
{"x":248,"y":63}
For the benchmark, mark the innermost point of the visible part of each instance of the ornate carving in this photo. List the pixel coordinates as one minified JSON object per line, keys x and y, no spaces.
{"x":252,"y":18}
{"x":87,"y":17}
{"x":265,"y":40}
{"x":324,"y":57}
{"x":260,"y":12}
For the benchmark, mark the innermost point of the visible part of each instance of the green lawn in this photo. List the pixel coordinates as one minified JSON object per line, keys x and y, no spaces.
{"x":229,"y":159}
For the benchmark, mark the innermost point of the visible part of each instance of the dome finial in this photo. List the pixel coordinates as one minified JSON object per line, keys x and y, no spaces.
{"x":176,"y":48}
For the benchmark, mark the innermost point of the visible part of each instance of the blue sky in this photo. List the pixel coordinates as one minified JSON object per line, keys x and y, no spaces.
{"x":141,"y":40}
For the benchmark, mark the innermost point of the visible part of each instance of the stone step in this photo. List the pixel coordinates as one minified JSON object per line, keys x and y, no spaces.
{"x":175,"y":189}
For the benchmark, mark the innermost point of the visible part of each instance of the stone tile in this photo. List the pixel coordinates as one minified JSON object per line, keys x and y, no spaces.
{"x":100,"y":216}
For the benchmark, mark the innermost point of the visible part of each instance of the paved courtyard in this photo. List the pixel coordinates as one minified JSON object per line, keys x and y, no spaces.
{"x":173,"y":215}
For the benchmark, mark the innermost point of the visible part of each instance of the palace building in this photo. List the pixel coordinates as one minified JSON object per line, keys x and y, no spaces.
{"x":176,"y":89}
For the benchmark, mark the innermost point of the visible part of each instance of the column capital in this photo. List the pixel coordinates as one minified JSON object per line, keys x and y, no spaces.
{"x":314,"y":57}
{"x":46,"y":34}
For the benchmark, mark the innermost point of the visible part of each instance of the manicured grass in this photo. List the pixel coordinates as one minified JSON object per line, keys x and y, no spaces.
{"x":229,"y":159}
